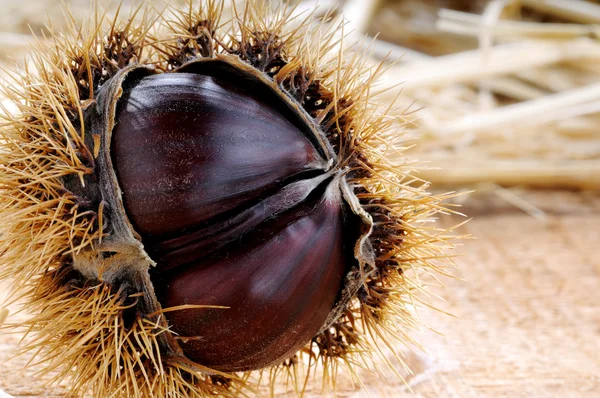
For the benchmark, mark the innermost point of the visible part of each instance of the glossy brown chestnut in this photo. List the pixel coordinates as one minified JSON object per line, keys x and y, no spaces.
{"x":233,"y":199}
{"x":188,"y":148}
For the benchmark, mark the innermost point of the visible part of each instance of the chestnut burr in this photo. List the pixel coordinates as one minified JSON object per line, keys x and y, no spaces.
{"x":191,"y":206}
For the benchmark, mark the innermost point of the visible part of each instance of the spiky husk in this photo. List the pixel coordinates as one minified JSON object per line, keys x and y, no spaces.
{"x":91,"y":332}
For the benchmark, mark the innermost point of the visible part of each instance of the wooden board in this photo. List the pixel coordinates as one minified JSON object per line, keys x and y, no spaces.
{"x":528,"y":308}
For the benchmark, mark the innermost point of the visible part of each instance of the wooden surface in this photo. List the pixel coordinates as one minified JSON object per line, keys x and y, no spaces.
{"x":528,"y":308}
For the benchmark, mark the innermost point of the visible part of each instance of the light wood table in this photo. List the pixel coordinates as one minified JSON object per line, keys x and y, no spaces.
{"x":528,"y":309}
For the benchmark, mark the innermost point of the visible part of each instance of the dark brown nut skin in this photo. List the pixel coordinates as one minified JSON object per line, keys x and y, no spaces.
{"x":280,"y":283}
{"x":235,"y":204}
{"x":188,"y":148}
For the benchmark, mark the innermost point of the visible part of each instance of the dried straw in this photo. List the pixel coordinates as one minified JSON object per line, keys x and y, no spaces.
{"x":513,"y":101}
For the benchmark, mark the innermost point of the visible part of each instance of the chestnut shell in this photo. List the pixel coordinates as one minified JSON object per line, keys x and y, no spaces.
{"x":188,"y":148}
{"x":280,"y":282}
{"x":235,"y":200}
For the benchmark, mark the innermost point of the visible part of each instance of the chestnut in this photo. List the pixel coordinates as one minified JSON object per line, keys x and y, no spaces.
{"x":234,"y":202}
{"x":187,"y":212}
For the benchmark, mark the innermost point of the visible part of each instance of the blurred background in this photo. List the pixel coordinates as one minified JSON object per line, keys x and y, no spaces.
{"x":499,"y":100}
